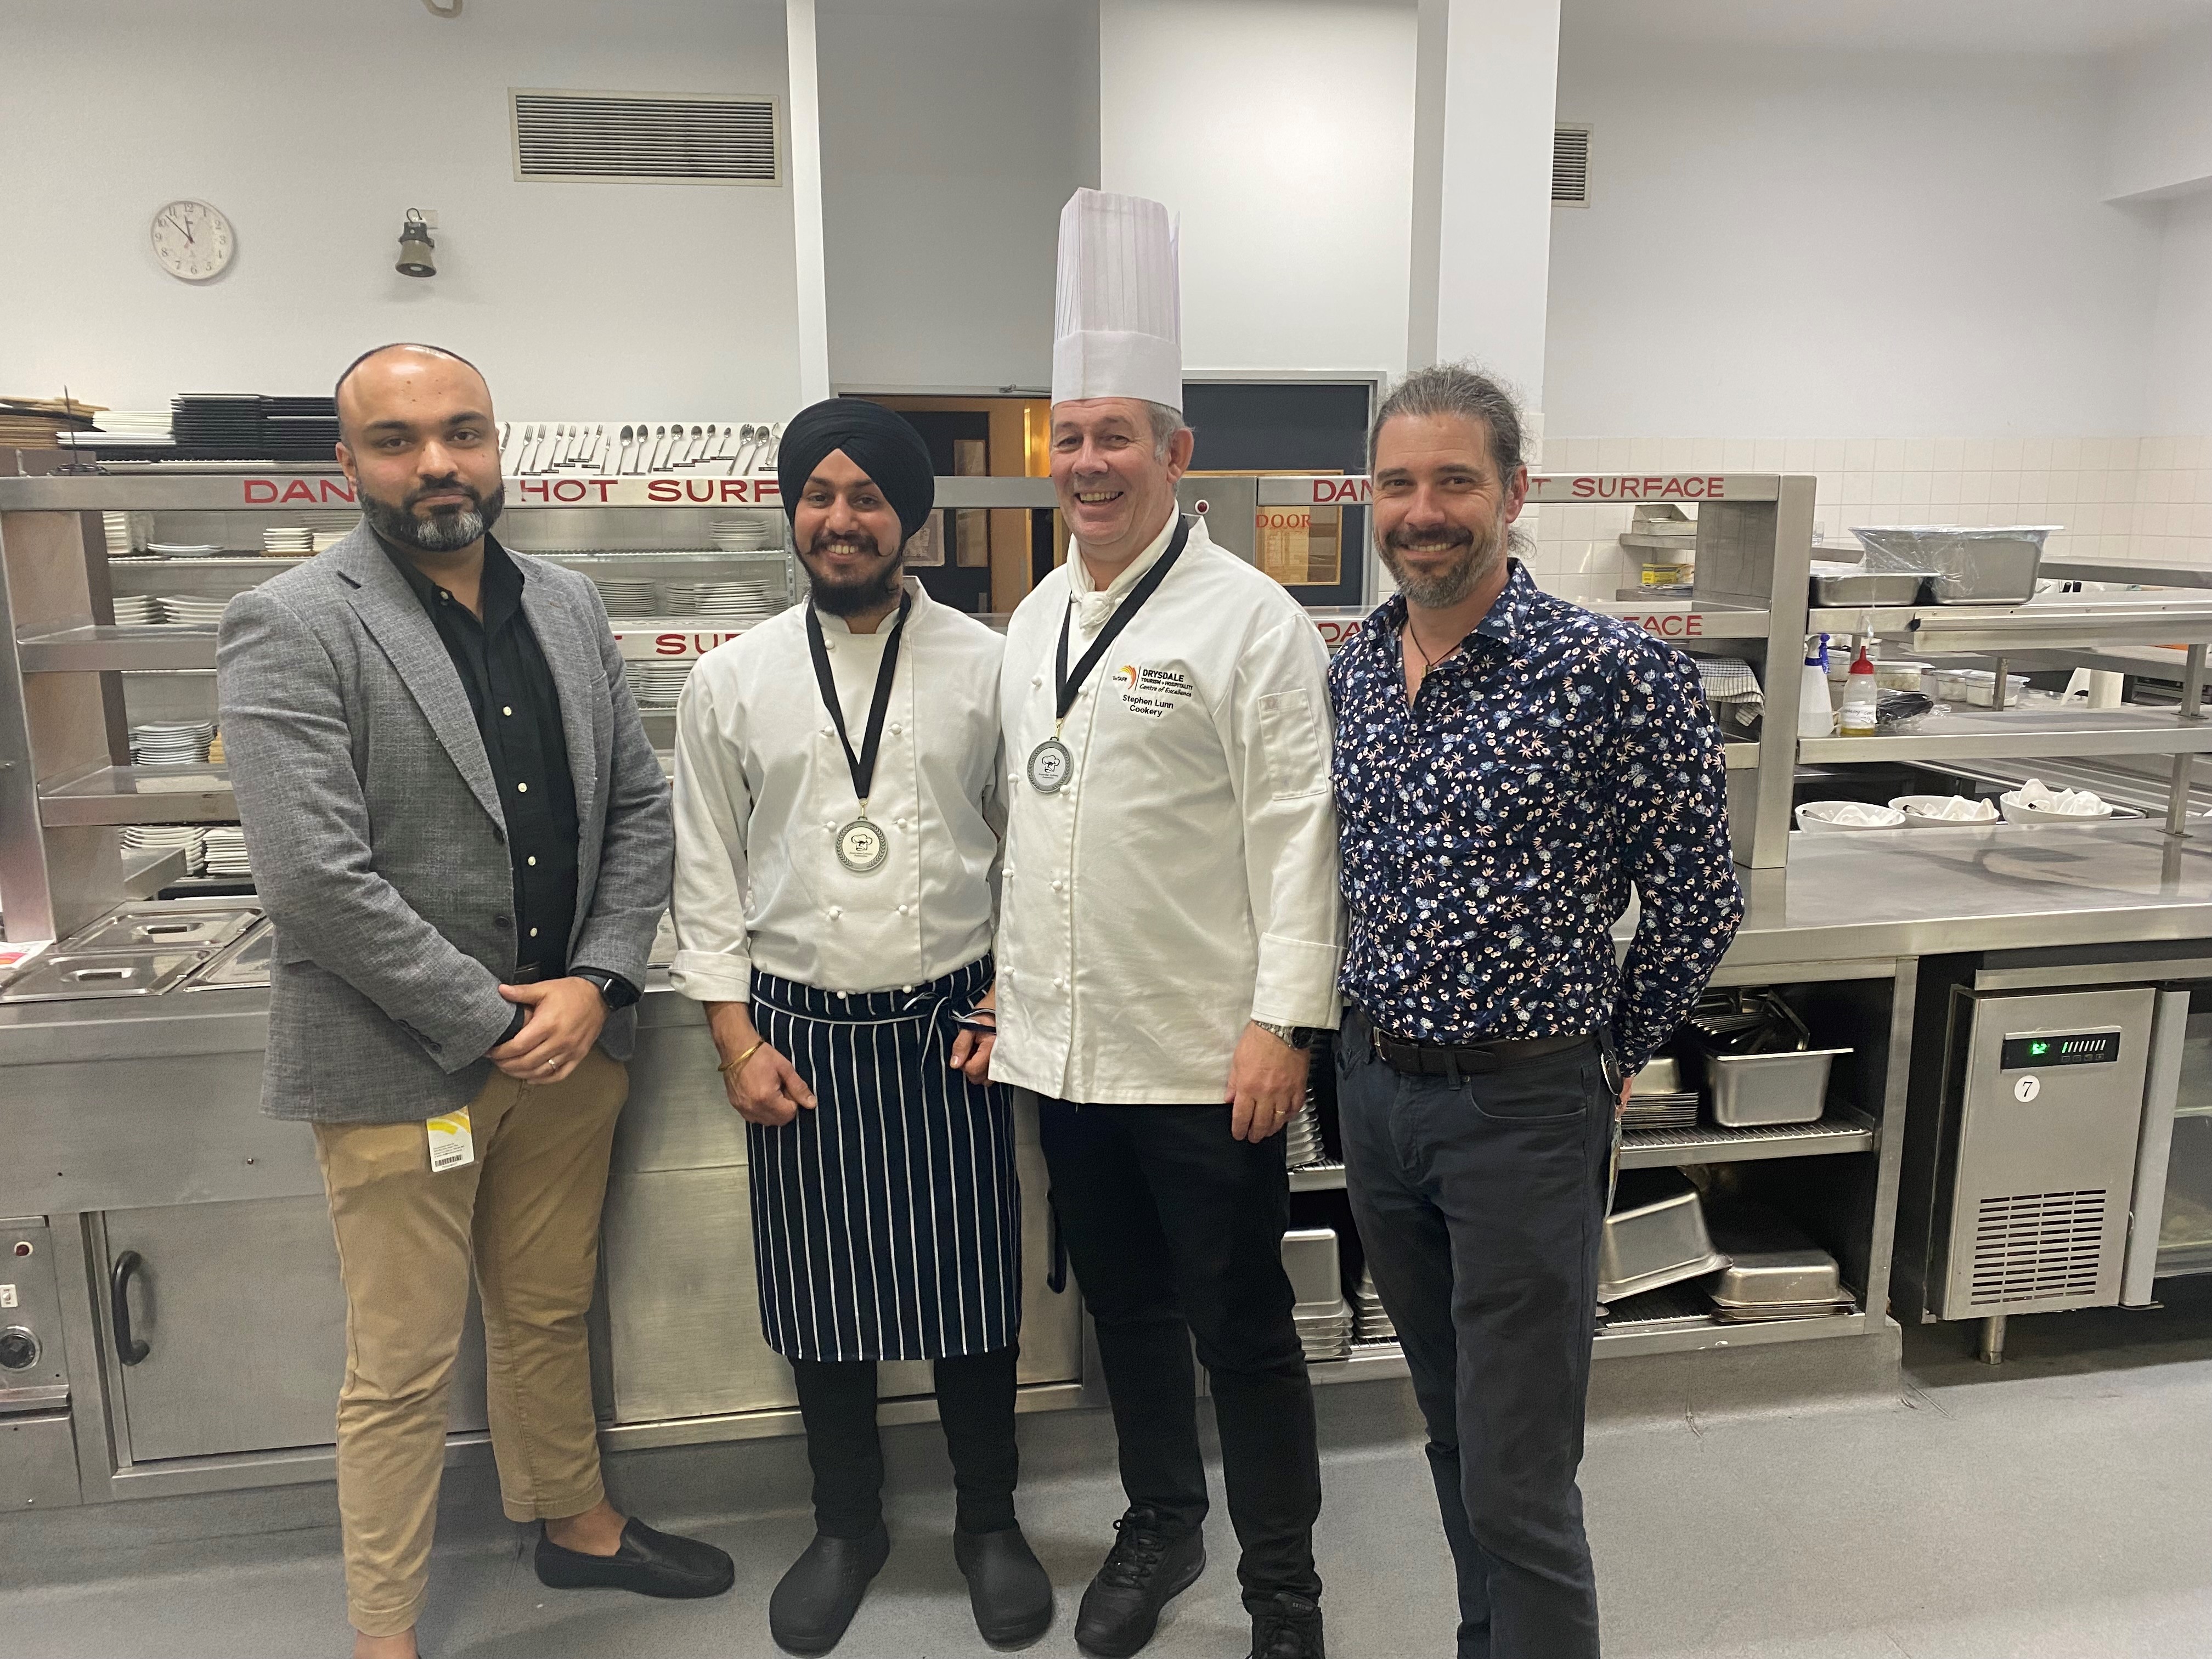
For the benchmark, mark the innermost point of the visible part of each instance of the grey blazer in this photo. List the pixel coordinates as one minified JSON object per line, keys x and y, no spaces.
{"x":378,"y":841}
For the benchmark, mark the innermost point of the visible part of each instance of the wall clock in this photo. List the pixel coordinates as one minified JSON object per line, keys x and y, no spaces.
{"x":193,"y":241}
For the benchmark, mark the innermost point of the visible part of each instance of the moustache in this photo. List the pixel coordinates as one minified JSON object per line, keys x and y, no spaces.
{"x":1403,"y":537}
{"x":446,"y":487}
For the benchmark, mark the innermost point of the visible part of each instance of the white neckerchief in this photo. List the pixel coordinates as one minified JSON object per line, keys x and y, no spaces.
{"x":1094,"y":604}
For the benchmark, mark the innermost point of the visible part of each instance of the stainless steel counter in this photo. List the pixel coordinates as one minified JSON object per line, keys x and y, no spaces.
{"x":135,"y":1127}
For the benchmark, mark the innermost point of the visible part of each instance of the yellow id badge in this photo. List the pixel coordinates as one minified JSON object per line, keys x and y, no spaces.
{"x":451,"y":1144}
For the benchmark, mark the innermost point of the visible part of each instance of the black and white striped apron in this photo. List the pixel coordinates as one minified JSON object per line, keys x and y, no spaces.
{"x":887,"y":1222}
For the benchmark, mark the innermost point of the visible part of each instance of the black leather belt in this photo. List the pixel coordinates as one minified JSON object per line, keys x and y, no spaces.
{"x":1461,"y":1060}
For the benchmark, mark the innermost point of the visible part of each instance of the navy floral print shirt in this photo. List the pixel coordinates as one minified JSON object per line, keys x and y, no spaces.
{"x":1493,"y":829}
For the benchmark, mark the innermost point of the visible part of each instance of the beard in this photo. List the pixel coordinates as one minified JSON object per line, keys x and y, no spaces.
{"x":445,"y":532}
{"x":1476,"y":563}
{"x":871,"y":590}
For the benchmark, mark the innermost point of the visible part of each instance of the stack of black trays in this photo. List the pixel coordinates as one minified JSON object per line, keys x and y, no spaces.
{"x":242,"y":427}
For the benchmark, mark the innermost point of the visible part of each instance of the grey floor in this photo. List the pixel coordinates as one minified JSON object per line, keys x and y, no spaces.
{"x":2059,"y":1506}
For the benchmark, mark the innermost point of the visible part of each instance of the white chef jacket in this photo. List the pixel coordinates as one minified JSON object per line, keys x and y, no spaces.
{"x":762,"y":788}
{"x":1184,"y":881}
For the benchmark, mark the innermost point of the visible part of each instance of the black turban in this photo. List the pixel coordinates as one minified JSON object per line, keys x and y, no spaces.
{"x":881,"y":443}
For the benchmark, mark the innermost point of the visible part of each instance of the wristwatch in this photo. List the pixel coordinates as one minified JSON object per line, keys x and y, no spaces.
{"x":1297,"y":1036}
{"x":615,"y":991}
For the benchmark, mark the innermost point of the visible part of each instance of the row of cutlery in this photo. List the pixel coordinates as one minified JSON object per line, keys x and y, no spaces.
{"x":533,"y":448}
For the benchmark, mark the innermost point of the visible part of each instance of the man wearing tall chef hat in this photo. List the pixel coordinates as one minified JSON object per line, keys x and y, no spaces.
{"x":1169,"y":938}
{"x":838,"y":789}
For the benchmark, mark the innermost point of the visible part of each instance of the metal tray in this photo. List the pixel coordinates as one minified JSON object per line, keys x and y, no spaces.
{"x":79,"y":976}
{"x":245,"y":965}
{"x":1969,"y":564}
{"x":1749,"y":1090}
{"x":1655,"y":1236}
{"x":1754,"y":1277}
{"x":1309,"y":1258}
{"x":167,"y":927}
{"x":1847,"y":585}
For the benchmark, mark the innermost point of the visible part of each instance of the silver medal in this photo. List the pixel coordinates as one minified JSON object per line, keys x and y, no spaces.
{"x":861,"y":848}
{"x":1050,"y":763}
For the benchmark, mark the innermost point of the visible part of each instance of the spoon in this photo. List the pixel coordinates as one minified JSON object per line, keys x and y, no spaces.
{"x":660,"y":448}
{"x":707,"y":449}
{"x":621,"y":453}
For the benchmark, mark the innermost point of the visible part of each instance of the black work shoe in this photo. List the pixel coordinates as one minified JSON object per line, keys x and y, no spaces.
{"x":1148,"y":1567}
{"x":818,"y":1598}
{"x":649,"y":1563}
{"x":1007,"y":1586}
{"x":1287,"y":1626}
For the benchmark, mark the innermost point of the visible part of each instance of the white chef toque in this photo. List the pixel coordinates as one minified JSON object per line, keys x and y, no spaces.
{"x":1117,"y":327}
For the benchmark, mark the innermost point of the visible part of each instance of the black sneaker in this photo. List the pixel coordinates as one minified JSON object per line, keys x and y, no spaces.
{"x":1148,"y":1567}
{"x":1287,"y":1626}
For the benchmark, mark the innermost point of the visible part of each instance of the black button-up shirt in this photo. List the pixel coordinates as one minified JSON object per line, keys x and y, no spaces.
{"x":1492,"y":828}
{"x":517,"y":710}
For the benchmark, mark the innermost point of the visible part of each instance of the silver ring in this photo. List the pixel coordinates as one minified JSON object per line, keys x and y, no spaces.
{"x":550,"y":1064}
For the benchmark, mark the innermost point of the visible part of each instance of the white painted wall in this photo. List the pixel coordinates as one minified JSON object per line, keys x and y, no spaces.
{"x":2161,"y":133}
{"x":952,"y":131}
{"x":1281,"y":131}
{"x":2177,"y":397}
{"x":1830,"y":244}
{"x":314,"y":125}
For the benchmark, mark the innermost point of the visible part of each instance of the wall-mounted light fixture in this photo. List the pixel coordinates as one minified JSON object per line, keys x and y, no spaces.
{"x":418,"y":255}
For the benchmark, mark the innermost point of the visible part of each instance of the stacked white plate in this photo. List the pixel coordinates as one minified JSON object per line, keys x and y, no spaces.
{"x":658,"y":684}
{"x":1369,"y":1321}
{"x":1302,"y":1141}
{"x":733,"y":604}
{"x":137,"y":609}
{"x":117,"y":526}
{"x":192,"y":609}
{"x":162,"y":837}
{"x":288,"y":543}
{"x":226,"y":851}
{"x":628,"y":596}
{"x":171,"y":742}
{"x":742,"y":535}
{"x":185,"y":550}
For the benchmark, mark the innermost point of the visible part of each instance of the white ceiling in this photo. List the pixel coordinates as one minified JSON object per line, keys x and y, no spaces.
{"x":2051,"y":27}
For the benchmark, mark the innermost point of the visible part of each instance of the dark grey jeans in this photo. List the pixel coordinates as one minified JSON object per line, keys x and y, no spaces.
{"x":1479,"y":1203}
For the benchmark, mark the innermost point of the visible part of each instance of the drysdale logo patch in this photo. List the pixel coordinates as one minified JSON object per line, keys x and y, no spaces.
{"x":1152,"y":692}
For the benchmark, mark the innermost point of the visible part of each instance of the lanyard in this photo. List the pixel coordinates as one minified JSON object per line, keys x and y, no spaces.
{"x":1069,"y":684}
{"x":864,"y":763}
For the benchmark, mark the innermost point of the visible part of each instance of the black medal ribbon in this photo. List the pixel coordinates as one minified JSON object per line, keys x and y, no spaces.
{"x":864,"y":763}
{"x":1125,"y":612}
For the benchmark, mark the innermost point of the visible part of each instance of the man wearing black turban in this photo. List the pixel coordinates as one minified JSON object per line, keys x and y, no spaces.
{"x":837,"y":812}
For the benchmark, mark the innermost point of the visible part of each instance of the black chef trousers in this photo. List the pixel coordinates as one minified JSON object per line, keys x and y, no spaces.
{"x":975,"y":1406}
{"x":1174,"y":1228}
{"x":1480,"y":1201}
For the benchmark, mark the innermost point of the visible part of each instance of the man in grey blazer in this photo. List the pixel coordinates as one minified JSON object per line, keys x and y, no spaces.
{"x":462,"y":834}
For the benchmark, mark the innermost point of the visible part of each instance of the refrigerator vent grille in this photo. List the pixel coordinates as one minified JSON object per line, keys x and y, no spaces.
{"x":1571,"y":166}
{"x":669,"y":138}
{"x":2038,"y":1247}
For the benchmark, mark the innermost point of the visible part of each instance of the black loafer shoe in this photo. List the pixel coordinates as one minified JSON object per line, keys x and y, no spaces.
{"x":1287,"y":1626}
{"x":1007,"y":1586}
{"x":648,"y":1563}
{"x":1148,"y":1567}
{"x":818,"y":1598}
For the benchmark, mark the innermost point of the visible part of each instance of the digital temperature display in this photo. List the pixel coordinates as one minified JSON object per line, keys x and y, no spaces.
{"x":2061,"y":1048}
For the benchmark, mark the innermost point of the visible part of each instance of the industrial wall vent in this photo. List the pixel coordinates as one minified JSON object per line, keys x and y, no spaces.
{"x":2037,"y":1247}
{"x":675,"y":138}
{"x":1571,"y":166}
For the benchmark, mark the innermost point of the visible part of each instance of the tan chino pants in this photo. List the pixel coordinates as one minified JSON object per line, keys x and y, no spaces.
{"x":526,"y":1214}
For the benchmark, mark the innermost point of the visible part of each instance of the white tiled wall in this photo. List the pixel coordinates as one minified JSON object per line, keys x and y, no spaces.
{"x":2147,"y":500}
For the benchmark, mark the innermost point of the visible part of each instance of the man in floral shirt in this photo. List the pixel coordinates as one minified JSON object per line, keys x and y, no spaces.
{"x":1507,"y":767}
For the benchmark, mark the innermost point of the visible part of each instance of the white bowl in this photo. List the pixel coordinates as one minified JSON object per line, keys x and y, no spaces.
{"x":1920,"y":813}
{"x":1817,"y":816}
{"x":2017,"y":810}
